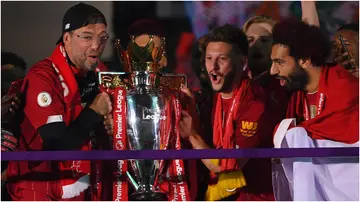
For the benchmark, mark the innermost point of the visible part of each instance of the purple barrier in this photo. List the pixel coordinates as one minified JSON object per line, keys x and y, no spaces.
{"x":181,"y":154}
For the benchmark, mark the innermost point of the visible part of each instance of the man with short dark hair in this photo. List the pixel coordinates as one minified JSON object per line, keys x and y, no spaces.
{"x":239,"y":121}
{"x":347,"y":56}
{"x":62,"y":108}
{"x":322,"y":112}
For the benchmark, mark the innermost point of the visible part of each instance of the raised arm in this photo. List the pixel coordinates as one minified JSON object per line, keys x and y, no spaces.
{"x":309,"y":13}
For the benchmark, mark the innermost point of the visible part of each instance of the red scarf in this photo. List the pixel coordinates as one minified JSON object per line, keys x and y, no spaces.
{"x":190,"y":106}
{"x":338,"y":107}
{"x":225,"y":138}
{"x":71,"y":185}
{"x":177,"y":183}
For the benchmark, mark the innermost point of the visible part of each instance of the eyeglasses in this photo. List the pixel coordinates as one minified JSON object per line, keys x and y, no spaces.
{"x":89,"y":40}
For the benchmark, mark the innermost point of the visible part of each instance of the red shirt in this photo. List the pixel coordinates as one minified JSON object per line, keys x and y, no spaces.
{"x":253,"y":130}
{"x":338,"y":107}
{"x":44,"y":103}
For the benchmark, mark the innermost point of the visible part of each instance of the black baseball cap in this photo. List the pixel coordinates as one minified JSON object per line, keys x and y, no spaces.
{"x":79,"y":16}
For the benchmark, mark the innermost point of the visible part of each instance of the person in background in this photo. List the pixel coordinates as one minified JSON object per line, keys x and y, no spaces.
{"x":62,"y":109}
{"x":348,"y":58}
{"x":198,"y":67}
{"x":12,"y":69}
{"x":258,"y":30}
{"x":9,"y":142}
{"x":239,"y":120}
{"x":259,"y":34}
{"x":322,"y":112}
{"x":143,"y":28}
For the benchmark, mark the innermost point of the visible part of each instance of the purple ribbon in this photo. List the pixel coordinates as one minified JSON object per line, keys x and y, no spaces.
{"x":181,"y":154}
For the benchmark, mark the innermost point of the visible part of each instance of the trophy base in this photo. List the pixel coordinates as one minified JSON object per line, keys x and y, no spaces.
{"x":151,"y":196}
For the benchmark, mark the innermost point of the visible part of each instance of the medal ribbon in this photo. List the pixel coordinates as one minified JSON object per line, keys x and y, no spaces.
{"x":119,"y":185}
{"x":320,"y":106}
{"x":179,"y":190}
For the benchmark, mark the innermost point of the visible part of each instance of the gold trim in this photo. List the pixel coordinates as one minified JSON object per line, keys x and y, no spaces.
{"x":137,"y":58}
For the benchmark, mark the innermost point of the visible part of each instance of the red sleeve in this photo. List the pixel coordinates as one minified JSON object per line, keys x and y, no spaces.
{"x":43,"y":103}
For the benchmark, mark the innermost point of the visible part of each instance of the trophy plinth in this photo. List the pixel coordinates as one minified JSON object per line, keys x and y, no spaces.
{"x":151,"y":196}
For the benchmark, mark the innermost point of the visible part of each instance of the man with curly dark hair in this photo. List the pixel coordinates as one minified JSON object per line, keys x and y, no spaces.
{"x":324,"y":108}
{"x":296,"y":42}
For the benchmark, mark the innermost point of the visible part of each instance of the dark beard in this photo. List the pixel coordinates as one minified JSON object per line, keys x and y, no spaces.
{"x":228,"y":81}
{"x":297,"y":80}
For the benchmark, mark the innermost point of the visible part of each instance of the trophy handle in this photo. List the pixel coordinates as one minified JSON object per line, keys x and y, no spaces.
{"x":112,"y":79}
{"x":132,"y":181}
{"x":172,"y":81}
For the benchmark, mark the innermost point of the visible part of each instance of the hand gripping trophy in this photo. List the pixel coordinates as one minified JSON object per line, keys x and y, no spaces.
{"x":146,"y":116}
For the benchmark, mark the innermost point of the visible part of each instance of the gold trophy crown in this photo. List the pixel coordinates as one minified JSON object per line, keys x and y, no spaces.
{"x":141,"y":59}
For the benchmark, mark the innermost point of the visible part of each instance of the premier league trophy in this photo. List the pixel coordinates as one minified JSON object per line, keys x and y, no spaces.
{"x":144,"y":113}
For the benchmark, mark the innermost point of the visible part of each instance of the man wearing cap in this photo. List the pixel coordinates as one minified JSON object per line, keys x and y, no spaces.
{"x":61,"y":109}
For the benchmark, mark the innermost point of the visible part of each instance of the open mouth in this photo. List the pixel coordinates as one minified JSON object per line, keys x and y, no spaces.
{"x":94,"y":57}
{"x":214,"y":78}
{"x":282,"y":80}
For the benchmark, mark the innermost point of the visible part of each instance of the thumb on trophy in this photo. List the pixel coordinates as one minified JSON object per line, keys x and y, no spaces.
{"x":102,"y":104}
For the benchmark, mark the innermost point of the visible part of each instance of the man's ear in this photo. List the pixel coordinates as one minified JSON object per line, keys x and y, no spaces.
{"x":304,"y":63}
{"x":67,"y":39}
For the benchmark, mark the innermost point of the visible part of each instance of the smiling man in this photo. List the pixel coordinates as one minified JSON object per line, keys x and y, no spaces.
{"x":62,"y":108}
{"x":322,"y":112}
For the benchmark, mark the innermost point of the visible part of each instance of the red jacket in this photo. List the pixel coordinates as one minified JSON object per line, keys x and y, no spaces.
{"x":46,"y":101}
